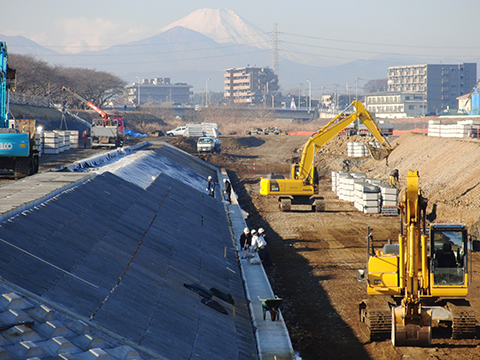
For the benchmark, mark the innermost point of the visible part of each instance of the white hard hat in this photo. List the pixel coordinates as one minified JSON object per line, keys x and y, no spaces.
{"x":253,"y":231}
{"x":261,"y":231}
{"x":224,"y":180}
{"x":246,"y":231}
{"x":209,"y":178}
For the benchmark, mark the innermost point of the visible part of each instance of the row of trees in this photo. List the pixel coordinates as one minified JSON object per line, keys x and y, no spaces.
{"x":37,"y":77}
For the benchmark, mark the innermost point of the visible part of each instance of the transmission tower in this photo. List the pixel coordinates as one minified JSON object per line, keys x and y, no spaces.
{"x":275,"y":50}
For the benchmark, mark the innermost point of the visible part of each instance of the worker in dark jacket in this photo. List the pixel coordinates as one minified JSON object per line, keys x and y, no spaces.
{"x":228,"y":190}
{"x":245,"y":239}
{"x":211,"y":187}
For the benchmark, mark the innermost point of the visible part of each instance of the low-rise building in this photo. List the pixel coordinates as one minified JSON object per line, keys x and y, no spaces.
{"x":396,"y":104}
{"x":158,"y":89}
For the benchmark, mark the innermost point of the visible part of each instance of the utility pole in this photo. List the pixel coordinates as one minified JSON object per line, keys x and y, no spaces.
{"x":138,"y":94}
{"x":206,"y":92}
{"x":336,"y":97}
{"x":309,"y":96}
{"x":299,"y":94}
{"x":356,"y":88}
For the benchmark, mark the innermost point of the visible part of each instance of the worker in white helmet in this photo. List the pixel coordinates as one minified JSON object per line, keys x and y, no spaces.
{"x":211,"y":187}
{"x":245,"y":239}
{"x":260,"y":244}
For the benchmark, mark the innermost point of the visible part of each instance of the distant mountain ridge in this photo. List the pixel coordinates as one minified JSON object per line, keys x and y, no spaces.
{"x":202,"y":45}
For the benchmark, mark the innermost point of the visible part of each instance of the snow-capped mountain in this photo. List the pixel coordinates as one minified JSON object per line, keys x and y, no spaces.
{"x":223,"y":26}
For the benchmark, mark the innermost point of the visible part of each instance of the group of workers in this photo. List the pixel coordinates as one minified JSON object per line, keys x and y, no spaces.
{"x":254,"y":241}
{"x":227,"y":189}
{"x":250,"y":240}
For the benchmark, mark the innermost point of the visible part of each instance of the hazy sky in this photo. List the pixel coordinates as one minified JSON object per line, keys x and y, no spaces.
{"x":335,"y":30}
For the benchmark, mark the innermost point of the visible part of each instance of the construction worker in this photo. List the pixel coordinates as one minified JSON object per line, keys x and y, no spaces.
{"x":211,"y":187}
{"x":260,"y":245}
{"x":228,"y":190}
{"x":393,"y":180}
{"x":245,"y":239}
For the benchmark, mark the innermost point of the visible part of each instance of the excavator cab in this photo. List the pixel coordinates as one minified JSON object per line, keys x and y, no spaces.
{"x":448,"y":254}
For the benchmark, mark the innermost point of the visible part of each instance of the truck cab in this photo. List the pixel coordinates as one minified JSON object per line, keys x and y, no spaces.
{"x":209,"y":144}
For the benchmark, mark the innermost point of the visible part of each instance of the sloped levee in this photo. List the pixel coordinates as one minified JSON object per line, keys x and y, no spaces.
{"x":133,"y":260}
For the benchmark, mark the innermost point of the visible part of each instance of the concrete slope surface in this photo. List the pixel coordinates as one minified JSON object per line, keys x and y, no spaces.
{"x":135,"y":261}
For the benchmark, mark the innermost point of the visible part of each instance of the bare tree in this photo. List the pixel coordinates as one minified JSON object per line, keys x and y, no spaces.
{"x":96,"y":86}
{"x":37,"y":77}
{"x":34,"y":76}
{"x":377,"y":85}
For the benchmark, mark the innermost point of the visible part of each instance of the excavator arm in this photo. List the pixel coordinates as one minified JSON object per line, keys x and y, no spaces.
{"x":332,"y":129}
{"x":302,"y":187}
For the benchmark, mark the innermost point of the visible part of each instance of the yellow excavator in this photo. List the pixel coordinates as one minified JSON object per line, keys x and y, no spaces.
{"x":302,"y":187}
{"x":419,"y":282}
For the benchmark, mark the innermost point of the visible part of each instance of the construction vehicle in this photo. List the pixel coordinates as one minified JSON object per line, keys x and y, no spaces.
{"x":209,"y":144}
{"x":419,"y":282}
{"x":18,"y":152}
{"x":302,"y":187}
{"x":108,"y":130}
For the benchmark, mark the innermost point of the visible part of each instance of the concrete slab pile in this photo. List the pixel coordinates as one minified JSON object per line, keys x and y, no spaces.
{"x":462,"y":129}
{"x":371,"y":196}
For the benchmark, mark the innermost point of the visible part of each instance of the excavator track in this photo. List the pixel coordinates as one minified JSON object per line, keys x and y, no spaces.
{"x":463,"y":322}
{"x":375,"y":319}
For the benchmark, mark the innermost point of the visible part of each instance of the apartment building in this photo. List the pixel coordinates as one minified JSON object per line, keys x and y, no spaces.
{"x":158,"y":89}
{"x":250,"y":85}
{"x":440,"y":83}
{"x":396,"y":104}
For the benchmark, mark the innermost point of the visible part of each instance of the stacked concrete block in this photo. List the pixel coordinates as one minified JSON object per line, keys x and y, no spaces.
{"x":65,"y":134}
{"x":463,"y":128}
{"x":203,"y":129}
{"x":356,"y":149}
{"x":74,"y":138}
{"x":38,"y":143}
{"x":367,"y":197}
{"x":346,"y":187}
{"x":389,"y":201}
{"x":52,"y":142}
{"x":371,"y":196}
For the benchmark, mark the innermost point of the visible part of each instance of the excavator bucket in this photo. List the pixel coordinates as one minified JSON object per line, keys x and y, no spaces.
{"x":413,"y":332}
{"x":377,"y":152}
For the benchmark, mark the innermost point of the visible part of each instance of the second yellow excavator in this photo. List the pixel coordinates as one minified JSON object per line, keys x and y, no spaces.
{"x":302,"y":187}
{"x":419,"y":282}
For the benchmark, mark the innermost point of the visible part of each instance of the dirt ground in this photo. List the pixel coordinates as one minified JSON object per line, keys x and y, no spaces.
{"x":317,"y":255}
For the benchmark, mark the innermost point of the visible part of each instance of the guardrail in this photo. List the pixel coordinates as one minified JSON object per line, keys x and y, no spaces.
{"x":27,"y":99}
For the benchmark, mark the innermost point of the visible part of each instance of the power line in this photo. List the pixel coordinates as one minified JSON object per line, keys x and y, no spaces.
{"x":381,"y":44}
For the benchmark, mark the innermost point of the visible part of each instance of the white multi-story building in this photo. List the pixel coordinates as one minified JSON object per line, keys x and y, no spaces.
{"x":396,"y":104}
{"x":250,"y":85}
{"x":440,"y":83}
